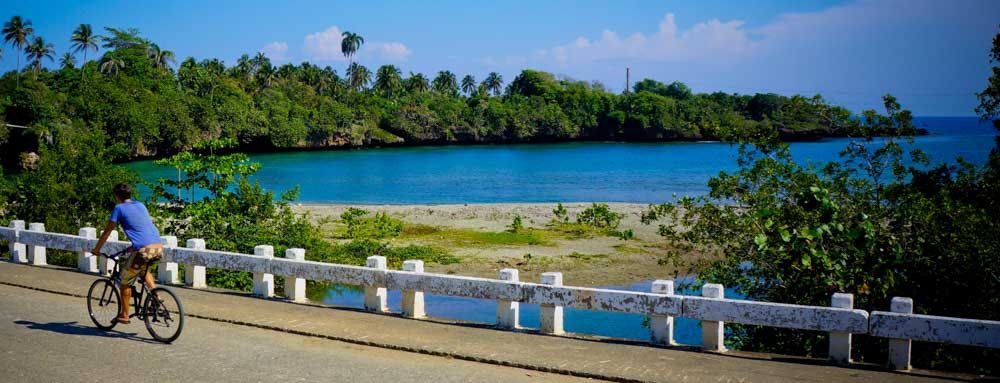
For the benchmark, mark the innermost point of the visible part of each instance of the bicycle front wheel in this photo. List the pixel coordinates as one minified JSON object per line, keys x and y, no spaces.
{"x":164,"y":315}
{"x":104,"y":303}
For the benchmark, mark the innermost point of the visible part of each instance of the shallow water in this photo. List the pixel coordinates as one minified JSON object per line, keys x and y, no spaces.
{"x":617,"y":325}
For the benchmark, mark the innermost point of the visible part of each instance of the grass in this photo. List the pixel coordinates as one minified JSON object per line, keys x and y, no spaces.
{"x":471,"y":238}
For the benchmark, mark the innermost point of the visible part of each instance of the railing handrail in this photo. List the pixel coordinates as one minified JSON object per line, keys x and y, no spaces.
{"x":710,"y":310}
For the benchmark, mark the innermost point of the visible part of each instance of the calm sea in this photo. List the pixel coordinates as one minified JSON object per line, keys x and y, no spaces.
{"x":570,"y":172}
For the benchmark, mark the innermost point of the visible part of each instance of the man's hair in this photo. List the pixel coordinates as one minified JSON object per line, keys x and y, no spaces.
{"x":123,"y":191}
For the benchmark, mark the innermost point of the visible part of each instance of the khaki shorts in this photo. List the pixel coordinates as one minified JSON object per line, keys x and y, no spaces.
{"x":137,"y":260}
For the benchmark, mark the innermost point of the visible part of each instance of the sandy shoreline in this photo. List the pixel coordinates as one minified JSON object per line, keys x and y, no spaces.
{"x":597,"y":260}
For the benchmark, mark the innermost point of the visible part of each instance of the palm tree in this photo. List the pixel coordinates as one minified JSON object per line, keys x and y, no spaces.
{"x":350,"y":44}
{"x":494,"y":83}
{"x":16,"y":32}
{"x":417,"y":83}
{"x":67,"y":60}
{"x":445,"y":82}
{"x":387,"y":80}
{"x":161,"y":58}
{"x":468,"y":84}
{"x":84,"y":39}
{"x":359,"y":76}
{"x":111,"y":65}
{"x":38,"y":50}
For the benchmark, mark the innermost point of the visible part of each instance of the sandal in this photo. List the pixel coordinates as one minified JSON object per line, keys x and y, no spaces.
{"x":121,"y":321}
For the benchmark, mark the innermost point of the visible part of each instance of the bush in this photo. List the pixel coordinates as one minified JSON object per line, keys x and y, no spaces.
{"x":599,"y":215}
{"x":561,"y":214}
{"x":378,"y":227}
{"x":516,"y":225}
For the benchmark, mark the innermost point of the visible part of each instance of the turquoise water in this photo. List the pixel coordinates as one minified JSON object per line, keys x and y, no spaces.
{"x":616,"y":325}
{"x":569,"y":172}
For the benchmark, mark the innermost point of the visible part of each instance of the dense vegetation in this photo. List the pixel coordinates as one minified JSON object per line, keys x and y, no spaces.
{"x":872,"y":224}
{"x":135,"y":95}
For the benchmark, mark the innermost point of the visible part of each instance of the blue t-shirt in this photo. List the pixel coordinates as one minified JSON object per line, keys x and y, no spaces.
{"x":136,"y":223}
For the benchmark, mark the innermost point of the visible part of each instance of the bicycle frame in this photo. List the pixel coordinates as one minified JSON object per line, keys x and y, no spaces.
{"x":137,"y":294}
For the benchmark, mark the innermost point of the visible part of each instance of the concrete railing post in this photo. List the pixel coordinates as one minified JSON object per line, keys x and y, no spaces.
{"x":899,"y":349}
{"x":194,"y":275}
{"x":263,"y":283}
{"x":36,"y":254}
{"x":18,"y":252}
{"x":661,"y":327}
{"x":166,"y":272}
{"x":712,"y":332}
{"x":840,"y":342}
{"x":551,"y":316}
{"x":295,"y":288}
{"x":413,"y":301}
{"x":105,"y":265}
{"x":376,"y":296}
{"x":85,"y":261}
{"x":508,"y":312}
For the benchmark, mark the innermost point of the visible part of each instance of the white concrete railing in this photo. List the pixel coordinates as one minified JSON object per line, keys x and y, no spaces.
{"x":841,"y":320}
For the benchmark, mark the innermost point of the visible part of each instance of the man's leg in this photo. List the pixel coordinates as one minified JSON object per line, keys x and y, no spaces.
{"x":126,"y":291}
{"x":149,"y":280}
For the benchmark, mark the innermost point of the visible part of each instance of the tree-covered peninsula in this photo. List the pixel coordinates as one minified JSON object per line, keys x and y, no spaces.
{"x":134,"y":94}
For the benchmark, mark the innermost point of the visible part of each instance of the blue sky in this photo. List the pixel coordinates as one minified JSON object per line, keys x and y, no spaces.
{"x":930,"y":54}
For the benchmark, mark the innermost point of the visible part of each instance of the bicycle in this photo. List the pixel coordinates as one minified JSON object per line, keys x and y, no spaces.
{"x":161,"y":310}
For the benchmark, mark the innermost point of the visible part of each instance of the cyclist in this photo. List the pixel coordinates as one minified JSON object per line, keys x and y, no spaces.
{"x":146,"y":246}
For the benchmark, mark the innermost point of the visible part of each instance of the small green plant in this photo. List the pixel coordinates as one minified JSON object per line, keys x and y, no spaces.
{"x":380,"y":226}
{"x":561,"y":214}
{"x":517,"y":225}
{"x":626,"y":235}
{"x":599,"y":215}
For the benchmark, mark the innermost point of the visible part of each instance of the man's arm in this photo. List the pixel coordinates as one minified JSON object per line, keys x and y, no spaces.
{"x":104,"y":237}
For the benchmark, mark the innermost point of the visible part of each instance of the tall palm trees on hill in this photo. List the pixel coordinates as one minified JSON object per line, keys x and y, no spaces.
{"x":387,"y":80}
{"x":445,"y":82}
{"x":416,"y":83}
{"x":16,"y":32}
{"x":38,"y":50}
{"x":350,"y":43}
{"x":84,"y":40}
{"x":494,"y":83}
{"x":358,"y":76}
{"x":67,"y":60}
{"x":469,"y":84}
{"x":161,"y":58}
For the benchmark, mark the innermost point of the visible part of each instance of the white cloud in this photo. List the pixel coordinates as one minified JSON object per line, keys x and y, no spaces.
{"x":276,"y":51}
{"x":710,"y":39}
{"x":325,"y":46}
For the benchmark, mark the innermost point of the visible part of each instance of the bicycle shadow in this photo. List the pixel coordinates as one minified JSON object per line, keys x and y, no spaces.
{"x":74,"y":328}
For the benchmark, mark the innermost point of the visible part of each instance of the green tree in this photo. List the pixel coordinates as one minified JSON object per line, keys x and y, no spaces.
{"x":349,"y":44}
{"x":469,"y":84}
{"x":160,"y":58}
{"x":111,"y":65}
{"x":16,"y":33}
{"x":359,"y":76}
{"x":387,"y":80}
{"x":494,"y":82}
{"x":84,"y":40}
{"x":416,"y":83}
{"x":38,"y":50}
{"x":67,"y":61}
{"x":445,"y":83}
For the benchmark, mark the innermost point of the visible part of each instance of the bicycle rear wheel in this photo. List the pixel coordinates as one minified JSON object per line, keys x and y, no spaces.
{"x":164,"y":315}
{"x":104,"y":303}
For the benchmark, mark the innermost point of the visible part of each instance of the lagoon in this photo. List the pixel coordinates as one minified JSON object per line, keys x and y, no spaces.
{"x":564,"y":172}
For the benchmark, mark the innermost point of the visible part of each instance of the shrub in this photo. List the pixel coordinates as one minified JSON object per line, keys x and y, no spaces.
{"x":599,"y":215}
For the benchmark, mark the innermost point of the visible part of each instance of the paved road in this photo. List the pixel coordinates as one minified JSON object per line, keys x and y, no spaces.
{"x":46,"y":337}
